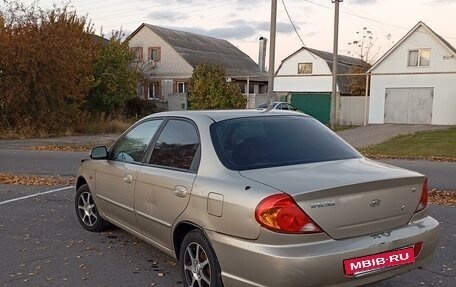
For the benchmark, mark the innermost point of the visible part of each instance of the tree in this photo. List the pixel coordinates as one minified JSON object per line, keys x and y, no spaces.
{"x":361,"y":48}
{"x":116,"y":79}
{"x":210,"y":90}
{"x":46,"y":67}
{"x":357,"y":84}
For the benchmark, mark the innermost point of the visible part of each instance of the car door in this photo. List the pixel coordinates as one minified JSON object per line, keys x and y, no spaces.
{"x":165,"y":182}
{"x":115,"y":178}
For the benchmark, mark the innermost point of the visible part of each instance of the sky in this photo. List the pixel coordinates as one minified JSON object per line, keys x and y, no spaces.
{"x":242,"y":22}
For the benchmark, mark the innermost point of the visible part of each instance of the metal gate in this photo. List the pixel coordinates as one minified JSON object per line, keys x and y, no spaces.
{"x":409,"y":105}
{"x":317,"y":105}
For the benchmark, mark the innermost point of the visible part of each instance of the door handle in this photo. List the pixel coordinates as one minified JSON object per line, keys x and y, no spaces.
{"x":128,"y":178}
{"x":180,"y":191}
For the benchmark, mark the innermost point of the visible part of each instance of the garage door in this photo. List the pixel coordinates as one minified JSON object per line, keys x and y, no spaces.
{"x":316,"y":105}
{"x":409,"y":105}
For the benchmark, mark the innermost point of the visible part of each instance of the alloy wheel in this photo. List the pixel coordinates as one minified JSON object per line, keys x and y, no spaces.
{"x":197,"y":267}
{"x":87,"y":209}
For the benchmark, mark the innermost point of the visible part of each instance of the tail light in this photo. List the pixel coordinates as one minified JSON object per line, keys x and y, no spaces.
{"x":424,"y":199}
{"x":417,"y":248}
{"x":280,"y":213}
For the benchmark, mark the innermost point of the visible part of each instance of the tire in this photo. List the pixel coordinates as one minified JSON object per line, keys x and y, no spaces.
{"x":197,"y":261}
{"x":87,"y":211}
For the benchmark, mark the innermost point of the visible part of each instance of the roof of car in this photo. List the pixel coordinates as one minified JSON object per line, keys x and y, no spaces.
{"x":220,"y":115}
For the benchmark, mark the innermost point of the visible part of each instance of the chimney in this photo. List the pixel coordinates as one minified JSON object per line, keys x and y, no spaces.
{"x":262,"y":55}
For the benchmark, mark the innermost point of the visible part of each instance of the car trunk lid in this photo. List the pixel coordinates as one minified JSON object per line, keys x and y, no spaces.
{"x":348,"y":198}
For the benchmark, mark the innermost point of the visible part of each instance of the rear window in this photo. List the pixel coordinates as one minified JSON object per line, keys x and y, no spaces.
{"x":260,"y":142}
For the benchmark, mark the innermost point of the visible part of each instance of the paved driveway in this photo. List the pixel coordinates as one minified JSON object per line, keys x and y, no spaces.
{"x":375,"y":134}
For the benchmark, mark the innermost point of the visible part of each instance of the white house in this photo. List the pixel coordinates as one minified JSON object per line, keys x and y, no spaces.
{"x":305,"y":77}
{"x":415,"y":81}
{"x":172,"y":56}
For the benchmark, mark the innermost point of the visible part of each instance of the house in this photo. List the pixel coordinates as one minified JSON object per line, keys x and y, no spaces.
{"x":172,"y":55}
{"x":305,"y":78}
{"x":414,"y":82}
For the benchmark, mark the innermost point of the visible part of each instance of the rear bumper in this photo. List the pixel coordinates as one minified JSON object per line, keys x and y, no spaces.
{"x":319,"y":263}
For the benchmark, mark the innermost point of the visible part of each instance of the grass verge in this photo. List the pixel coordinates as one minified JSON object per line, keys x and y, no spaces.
{"x":437,"y":145}
{"x":87,"y":124}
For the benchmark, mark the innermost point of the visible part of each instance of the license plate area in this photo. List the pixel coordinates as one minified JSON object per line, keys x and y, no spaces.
{"x":366,"y":264}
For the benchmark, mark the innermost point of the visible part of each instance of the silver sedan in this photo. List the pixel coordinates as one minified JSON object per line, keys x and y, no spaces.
{"x":254,"y":198}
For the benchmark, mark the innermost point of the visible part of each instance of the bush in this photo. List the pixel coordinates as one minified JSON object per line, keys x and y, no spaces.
{"x":211,"y":91}
{"x":46,"y":68}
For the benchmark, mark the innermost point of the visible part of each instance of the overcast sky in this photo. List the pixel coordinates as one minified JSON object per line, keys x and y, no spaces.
{"x":242,"y":22}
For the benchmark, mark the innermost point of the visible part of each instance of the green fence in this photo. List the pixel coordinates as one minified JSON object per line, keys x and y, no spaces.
{"x":317,"y":105}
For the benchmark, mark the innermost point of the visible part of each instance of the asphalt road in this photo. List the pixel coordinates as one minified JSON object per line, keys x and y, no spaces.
{"x":40,"y":162}
{"x":442,"y":175}
{"x":42,"y":244}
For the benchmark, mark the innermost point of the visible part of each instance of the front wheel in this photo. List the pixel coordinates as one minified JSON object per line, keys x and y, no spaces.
{"x":87,"y":211}
{"x":197,"y":261}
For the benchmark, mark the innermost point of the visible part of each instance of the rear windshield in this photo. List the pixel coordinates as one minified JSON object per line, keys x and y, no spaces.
{"x":260,"y":142}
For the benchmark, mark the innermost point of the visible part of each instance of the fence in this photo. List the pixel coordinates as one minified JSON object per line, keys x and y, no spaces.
{"x":178,"y":102}
{"x":351,"y":110}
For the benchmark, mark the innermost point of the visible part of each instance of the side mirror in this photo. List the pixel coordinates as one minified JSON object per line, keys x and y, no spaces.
{"x":99,"y":152}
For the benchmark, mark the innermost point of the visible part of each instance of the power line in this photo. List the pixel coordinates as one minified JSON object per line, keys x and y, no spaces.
{"x":368,"y":19}
{"x":292,"y":24}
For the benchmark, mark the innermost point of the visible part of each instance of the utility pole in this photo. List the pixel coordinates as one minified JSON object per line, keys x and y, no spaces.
{"x":272,"y":43}
{"x":334,"y":100}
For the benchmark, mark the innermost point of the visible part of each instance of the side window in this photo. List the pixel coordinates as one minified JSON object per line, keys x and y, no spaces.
{"x":176,"y":146}
{"x":132,"y":146}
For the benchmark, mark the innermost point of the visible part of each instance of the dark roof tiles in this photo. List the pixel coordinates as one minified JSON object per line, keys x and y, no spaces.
{"x":199,"y":49}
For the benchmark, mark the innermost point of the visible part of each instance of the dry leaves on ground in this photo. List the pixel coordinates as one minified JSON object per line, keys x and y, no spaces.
{"x":431,"y":158}
{"x":74,"y":148}
{"x":35,"y":180}
{"x":442,"y":197}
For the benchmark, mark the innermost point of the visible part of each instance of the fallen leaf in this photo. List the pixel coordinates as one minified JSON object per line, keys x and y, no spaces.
{"x":72,"y":148}
{"x":442,"y":197}
{"x":35,"y":180}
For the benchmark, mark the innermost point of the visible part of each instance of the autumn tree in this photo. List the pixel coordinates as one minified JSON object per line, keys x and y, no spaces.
{"x":210,"y":90}
{"x":45,"y":67}
{"x":363,"y":47}
{"x":116,"y":79}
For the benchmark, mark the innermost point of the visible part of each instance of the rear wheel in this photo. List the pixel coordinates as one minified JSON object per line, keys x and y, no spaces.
{"x":197,"y":261}
{"x":87,"y":211}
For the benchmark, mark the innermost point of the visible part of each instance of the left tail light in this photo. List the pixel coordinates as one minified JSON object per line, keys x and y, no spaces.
{"x":424,"y":199}
{"x":280,"y":213}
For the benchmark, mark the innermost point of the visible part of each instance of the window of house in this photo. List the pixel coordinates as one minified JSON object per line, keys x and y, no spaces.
{"x":132,"y":146}
{"x":419,"y":58}
{"x":305,"y":68}
{"x":155,"y":54}
{"x":242,"y":86}
{"x":138,"y":54}
{"x":251,"y":88}
{"x":176,"y":146}
{"x":182,"y":87}
{"x":154,"y":91}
